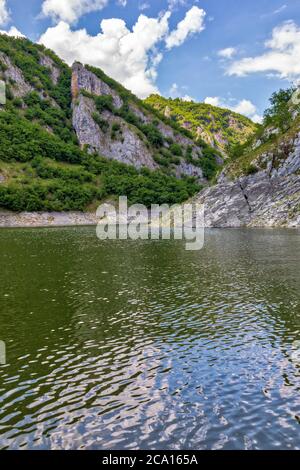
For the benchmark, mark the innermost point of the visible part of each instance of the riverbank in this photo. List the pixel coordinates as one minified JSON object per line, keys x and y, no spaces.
{"x":46,"y":219}
{"x":10,"y":219}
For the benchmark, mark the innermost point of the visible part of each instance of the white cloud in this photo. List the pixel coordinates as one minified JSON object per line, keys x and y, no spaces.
{"x":13,"y":31}
{"x":227,"y":53}
{"x":172,"y":4}
{"x":71,"y":10}
{"x":144,"y":6}
{"x":179,"y":92}
{"x":274,"y":12}
{"x":131,"y":57}
{"x":280,"y":9}
{"x":191,"y":24}
{"x":4,"y":13}
{"x":282,"y":57}
{"x":213,"y":100}
{"x":122,"y":3}
{"x":245,"y":107}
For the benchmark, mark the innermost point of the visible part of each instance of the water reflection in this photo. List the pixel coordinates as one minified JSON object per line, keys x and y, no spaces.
{"x":145,"y":345}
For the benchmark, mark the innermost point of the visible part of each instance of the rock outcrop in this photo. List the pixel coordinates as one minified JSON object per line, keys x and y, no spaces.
{"x":14,"y":75}
{"x":268,"y":198}
{"x":127,"y":145}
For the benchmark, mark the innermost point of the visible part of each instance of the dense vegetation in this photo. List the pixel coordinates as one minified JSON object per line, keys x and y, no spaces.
{"x":220,"y":128}
{"x":41,"y":165}
{"x":43,"y":172}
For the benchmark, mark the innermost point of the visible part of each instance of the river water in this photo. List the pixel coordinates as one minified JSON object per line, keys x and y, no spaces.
{"x":126,"y":345}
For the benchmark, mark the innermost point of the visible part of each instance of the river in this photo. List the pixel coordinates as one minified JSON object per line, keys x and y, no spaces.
{"x":144,"y":345}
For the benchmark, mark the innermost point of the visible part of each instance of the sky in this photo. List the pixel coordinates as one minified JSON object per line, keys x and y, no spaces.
{"x":223,"y":52}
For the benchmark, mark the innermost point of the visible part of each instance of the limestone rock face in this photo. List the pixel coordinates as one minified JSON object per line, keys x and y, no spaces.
{"x":190,"y":170}
{"x":269,"y":198}
{"x":48,"y":62}
{"x":291,"y":164}
{"x":128,"y":144}
{"x":126,"y":147}
{"x":83,"y":79}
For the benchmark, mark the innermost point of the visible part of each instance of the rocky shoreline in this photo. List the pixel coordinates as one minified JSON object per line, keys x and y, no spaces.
{"x":46,"y":219}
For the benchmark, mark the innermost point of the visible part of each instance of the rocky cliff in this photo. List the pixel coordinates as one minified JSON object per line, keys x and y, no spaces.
{"x":262,"y":188}
{"x":122,"y":128}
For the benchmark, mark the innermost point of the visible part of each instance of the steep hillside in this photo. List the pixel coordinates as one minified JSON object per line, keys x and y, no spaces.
{"x":260,"y":186}
{"x":71,"y":138}
{"x":109,"y":120}
{"x":220,"y":128}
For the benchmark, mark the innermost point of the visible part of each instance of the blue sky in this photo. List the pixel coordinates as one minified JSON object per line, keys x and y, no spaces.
{"x":213,"y":50}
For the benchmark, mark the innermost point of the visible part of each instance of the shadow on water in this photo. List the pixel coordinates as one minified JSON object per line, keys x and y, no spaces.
{"x":145,"y":345}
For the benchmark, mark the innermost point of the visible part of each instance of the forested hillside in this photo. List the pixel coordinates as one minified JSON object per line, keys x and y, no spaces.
{"x":45,"y":164}
{"x":218,"y":127}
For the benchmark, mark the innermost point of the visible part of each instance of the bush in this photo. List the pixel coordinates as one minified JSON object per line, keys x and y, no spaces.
{"x":278,"y":115}
{"x":104,"y":102}
{"x":102,"y":123}
{"x":250,"y":169}
{"x":153,"y":134}
{"x":176,"y":150}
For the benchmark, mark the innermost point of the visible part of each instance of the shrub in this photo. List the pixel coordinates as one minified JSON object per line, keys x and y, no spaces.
{"x":102,"y":123}
{"x":176,"y":150}
{"x":104,"y":102}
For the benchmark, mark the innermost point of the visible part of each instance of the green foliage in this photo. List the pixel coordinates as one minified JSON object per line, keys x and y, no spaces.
{"x":47,"y":115}
{"x":21,"y":140}
{"x":74,"y":187}
{"x":47,"y":170}
{"x":54,"y":196}
{"x":102,"y":123}
{"x":27,"y":56}
{"x":153,"y":135}
{"x":231,"y":127}
{"x":250,"y":169}
{"x":116,"y":131}
{"x":176,"y":149}
{"x":104,"y":102}
{"x":209,"y":166}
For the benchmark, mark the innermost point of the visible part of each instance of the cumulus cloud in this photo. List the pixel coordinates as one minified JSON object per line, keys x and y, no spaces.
{"x":227,"y":53}
{"x":129,"y":56}
{"x":4,"y":13}
{"x":13,"y":31}
{"x":71,"y":10}
{"x":245,"y":107}
{"x":191,"y":24}
{"x":281,"y":58}
{"x":213,"y":100}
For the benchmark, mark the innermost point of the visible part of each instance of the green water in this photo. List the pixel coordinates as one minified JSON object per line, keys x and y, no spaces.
{"x":125,"y":345}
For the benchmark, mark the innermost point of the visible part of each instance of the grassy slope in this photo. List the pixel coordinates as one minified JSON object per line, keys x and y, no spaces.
{"x":214,"y":121}
{"x":41,"y":164}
